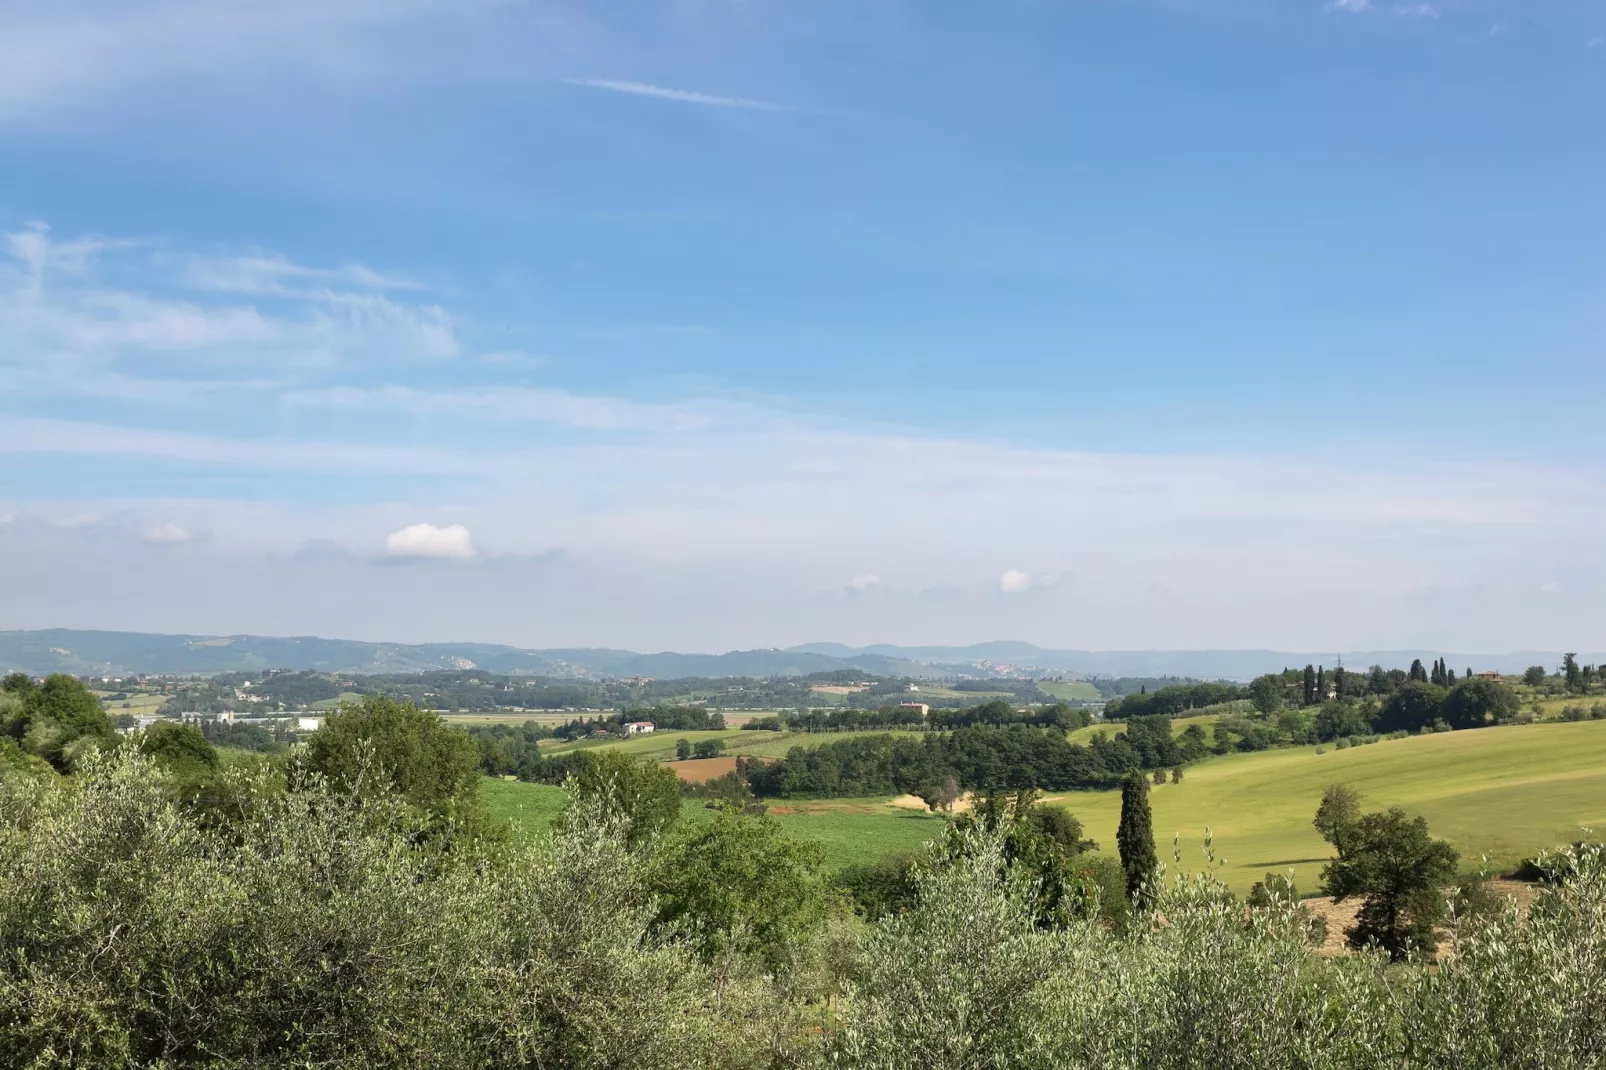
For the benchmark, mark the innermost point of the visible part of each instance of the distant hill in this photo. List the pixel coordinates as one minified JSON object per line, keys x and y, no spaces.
{"x":1200,"y":664}
{"x":116,"y":653}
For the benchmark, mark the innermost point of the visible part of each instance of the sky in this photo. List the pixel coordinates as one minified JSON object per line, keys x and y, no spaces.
{"x":1102,"y":324}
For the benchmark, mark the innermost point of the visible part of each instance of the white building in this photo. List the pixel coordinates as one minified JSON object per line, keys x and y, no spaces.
{"x":308,"y":724}
{"x":638,"y":728}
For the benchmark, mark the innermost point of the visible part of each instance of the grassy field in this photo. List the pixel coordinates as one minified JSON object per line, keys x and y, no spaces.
{"x":1073,"y":691}
{"x":776,"y":744}
{"x":850,"y":830}
{"x":1113,"y":728}
{"x":660,"y":746}
{"x":1506,"y":792}
{"x":138,"y":704}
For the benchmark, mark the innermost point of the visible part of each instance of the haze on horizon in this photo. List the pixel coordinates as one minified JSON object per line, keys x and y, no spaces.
{"x":1158,"y":325}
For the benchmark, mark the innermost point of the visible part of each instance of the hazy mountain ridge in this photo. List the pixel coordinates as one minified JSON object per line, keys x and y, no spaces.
{"x":117,"y":653}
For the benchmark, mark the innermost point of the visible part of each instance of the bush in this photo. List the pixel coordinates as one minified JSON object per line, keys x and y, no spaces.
{"x":386,"y":746}
{"x":321,"y":929}
{"x":964,"y":979}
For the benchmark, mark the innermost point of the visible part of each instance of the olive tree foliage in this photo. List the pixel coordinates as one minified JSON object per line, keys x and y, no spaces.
{"x":59,"y":720}
{"x":738,"y":886}
{"x":321,"y":929}
{"x":393,"y":747}
{"x":966,"y":979}
{"x":644,"y":796}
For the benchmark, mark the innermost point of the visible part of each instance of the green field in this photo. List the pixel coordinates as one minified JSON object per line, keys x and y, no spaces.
{"x":776,"y":744}
{"x":1113,"y":728}
{"x":850,"y":830}
{"x":139,"y":704}
{"x":1072,"y":691}
{"x":1505,"y":791}
{"x":660,"y":746}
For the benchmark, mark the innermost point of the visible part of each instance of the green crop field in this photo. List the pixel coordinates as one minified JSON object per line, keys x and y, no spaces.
{"x":660,"y":746}
{"x":137,"y":703}
{"x":530,"y":807}
{"x":776,"y":744}
{"x":1072,"y":691}
{"x":515,"y":717}
{"x":1505,"y":791}
{"x":1112,"y":728}
{"x":850,"y":830}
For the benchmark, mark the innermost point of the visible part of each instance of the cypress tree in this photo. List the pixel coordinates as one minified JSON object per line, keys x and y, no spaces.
{"x":1308,"y":692}
{"x":1417,"y":671}
{"x":1321,"y":683}
{"x":1338,"y":681}
{"x":1135,"y":837}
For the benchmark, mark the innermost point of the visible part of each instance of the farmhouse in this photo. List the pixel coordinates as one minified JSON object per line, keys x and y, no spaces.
{"x":914,"y":707}
{"x":638,"y":728}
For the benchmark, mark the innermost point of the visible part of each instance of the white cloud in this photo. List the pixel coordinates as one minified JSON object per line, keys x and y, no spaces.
{"x":1417,"y":11}
{"x":427,"y":540}
{"x":168,"y":532}
{"x":863,"y":582}
{"x":1350,"y":6}
{"x":686,"y":96}
{"x":1014,"y":580}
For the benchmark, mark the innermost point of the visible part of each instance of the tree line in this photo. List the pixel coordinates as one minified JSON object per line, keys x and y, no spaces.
{"x":984,"y":757}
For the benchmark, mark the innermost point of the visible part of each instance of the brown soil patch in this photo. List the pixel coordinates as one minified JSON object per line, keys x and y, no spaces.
{"x":698,"y":770}
{"x":1341,"y":916}
{"x":914,"y":802}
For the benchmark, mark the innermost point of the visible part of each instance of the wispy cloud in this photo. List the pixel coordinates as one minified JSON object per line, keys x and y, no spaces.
{"x":684,"y":96}
{"x":267,"y":274}
{"x":70,"y":309}
{"x":1350,"y":6}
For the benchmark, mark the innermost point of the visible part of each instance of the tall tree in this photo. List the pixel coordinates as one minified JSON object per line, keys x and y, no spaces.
{"x":1402,"y":872}
{"x":383,"y":744}
{"x":1340,"y":682}
{"x":1134,"y":837}
{"x":740,"y":884}
{"x":1574,"y":677}
{"x":1478,"y":703}
{"x":1321,"y":683}
{"x":1417,"y":671}
{"x":1308,"y":689}
{"x":1340,"y":809}
{"x":1266,"y":692}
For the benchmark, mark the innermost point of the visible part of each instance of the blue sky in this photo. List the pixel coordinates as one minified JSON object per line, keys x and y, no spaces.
{"x":706,"y":325}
